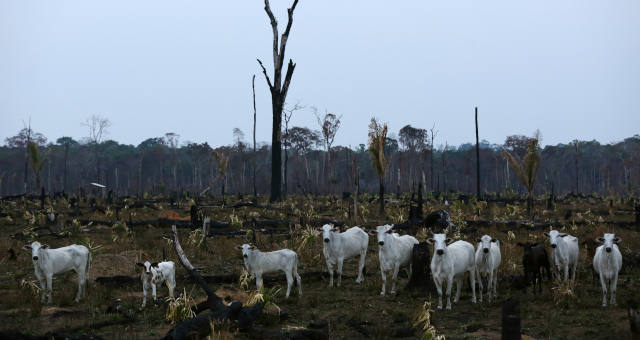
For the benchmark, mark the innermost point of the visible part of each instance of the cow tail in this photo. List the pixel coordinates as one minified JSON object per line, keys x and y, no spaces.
{"x":88,"y":268}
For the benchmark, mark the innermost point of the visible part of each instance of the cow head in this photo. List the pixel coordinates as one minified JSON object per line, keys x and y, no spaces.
{"x":527,"y":246}
{"x":327,"y":231}
{"x":439,"y":243}
{"x":35,"y":249}
{"x":148,"y":268}
{"x":382,"y":232}
{"x":553,"y":236}
{"x":246,"y":249}
{"x":485,"y":243}
{"x":608,"y":241}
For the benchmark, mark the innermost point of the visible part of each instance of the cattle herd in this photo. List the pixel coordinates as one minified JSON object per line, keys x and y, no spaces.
{"x":450,"y":262}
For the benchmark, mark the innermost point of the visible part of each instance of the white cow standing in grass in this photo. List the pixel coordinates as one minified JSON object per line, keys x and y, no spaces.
{"x":341,"y":246}
{"x":394,"y":251}
{"x":155,"y":274}
{"x":258,"y":263}
{"x":450,"y":261}
{"x":47,"y":262}
{"x":607,"y":263}
{"x":488,"y":260}
{"x":564,"y":254}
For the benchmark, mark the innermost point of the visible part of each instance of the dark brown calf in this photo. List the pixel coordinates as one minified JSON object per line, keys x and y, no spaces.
{"x":534,"y":260}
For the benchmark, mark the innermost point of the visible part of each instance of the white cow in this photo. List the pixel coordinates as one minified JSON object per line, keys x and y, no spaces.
{"x":607,"y":263}
{"x":394,"y":251}
{"x":258,"y":263}
{"x":564,"y":254}
{"x":488,"y":259}
{"x":47,"y":262}
{"x":450,"y":261}
{"x":155,"y":274}
{"x":341,"y":246}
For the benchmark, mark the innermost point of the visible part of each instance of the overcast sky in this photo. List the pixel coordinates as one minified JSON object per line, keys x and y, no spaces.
{"x":568,"y":68}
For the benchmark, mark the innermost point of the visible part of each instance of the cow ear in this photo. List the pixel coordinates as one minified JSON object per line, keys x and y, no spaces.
{"x":479,"y":240}
{"x":45,"y":246}
{"x":154,"y":264}
{"x":494,"y":240}
{"x":238,"y":247}
{"x":390,"y":231}
{"x":373,"y":232}
{"x":600,"y":240}
{"x":562,"y":235}
{"x":139,"y":264}
{"x":252,"y":247}
{"x":448,"y":240}
{"x":430,"y":241}
{"x":26,"y":247}
{"x":617,"y":240}
{"x":546,"y":234}
{"x":335,"y":229}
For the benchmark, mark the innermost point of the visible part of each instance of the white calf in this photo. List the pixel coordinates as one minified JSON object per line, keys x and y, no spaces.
{"x":258,"y":263}
{"x":48,"y":262}
{"x":393,"y":251}
{"x":450,"y":262}
{"x":155,"y":274}
{"x":607,"y":262}
{"x":488,"y":259}
{"x":341,"y":246}
{"x":564,"y":254}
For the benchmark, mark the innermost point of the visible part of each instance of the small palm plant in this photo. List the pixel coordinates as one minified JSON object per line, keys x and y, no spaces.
{"x":527,"y":168}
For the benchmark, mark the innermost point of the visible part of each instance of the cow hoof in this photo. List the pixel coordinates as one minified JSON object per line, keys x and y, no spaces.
{"x":439,"y":307}
{"x":381,"y":293}
{"x":393,"y":292}
{"x":449,"y":307}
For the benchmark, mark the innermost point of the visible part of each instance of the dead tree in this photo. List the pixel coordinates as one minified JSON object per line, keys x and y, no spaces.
{"x":278,"y":91}
{"x":477,"y":157}
{"x":356,"y":184}
{"x":253,"y":87}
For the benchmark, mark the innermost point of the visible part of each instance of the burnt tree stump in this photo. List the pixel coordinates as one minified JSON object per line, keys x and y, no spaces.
{"x":511,"y":319}
{"x":421,"y":270}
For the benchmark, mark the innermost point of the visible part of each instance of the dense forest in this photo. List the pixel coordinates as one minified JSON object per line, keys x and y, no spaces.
{"x":311,"y":165}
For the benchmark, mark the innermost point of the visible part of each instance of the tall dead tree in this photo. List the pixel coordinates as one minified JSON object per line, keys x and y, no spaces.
{"x":278,"y":91}
{"x":433,"y":134}
{"x":255,"y":155}
{"x":477,"y":157}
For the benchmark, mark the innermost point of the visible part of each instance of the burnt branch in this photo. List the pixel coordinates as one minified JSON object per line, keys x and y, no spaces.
{"x":274,"y":28}
{"x":287,"y":78}
{"x":285,"y":35}
{"x":213,"y":299}
{"x":264,"y":70}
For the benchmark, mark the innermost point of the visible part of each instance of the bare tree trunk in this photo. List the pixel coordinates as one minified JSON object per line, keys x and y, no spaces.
{"x":356,"y":182}
{"x":576,"y":165}
{"x":382,"y":196}
{"x":477,"y":158}
{"x":255,"y":155}
{"x":398,"y":185}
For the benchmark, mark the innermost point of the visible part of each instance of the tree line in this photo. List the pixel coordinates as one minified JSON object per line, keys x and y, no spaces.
{"x":164,"y":164}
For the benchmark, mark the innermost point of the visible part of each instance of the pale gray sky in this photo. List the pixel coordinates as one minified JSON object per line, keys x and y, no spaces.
{"x":568,"y":68}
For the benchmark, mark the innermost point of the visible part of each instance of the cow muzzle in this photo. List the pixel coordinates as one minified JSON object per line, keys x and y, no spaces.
{"x":326,"y":240}
{"x":35,"y":258}
{"x":381,"y":243}
{"x":439,"y":251}
{"x":485,"y":250}
{"x":245,"y":256}
{"x":553,"y":246}
{"x":608,"y":249}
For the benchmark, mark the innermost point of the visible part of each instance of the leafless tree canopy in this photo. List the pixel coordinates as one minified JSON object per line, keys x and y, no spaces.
{"x":98,"y":128}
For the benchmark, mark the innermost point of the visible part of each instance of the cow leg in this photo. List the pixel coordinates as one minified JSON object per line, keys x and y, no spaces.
{"x":396,"y":269}
{"x":43,"y":286}
{"x":573,"y":271}
{"x":439,"y":288}
{"x":298,"y":279}
{"x":614,"y":284}
{"x":458,"y":289}
{"x":153,"y":291}
{"x":258,"y":282}
{"x":361,"y":266}
{"x":449,"y":284}
{"x":495,"y":283}
{"x":80,"y":286}
{"x":330,"y":268}
{"x":472,"y":278}
{"x":480,"y":285}
{"x":604,"y":290}
{"x":144,"y":295}
{"x":340,"y":262}
{"x":289,"y":282}
{"x":384,"y":281}
{"x":49,"y":288}
{"x":171,"y":284}
{"x":566,"y":272}
{"x":489,"y":286}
